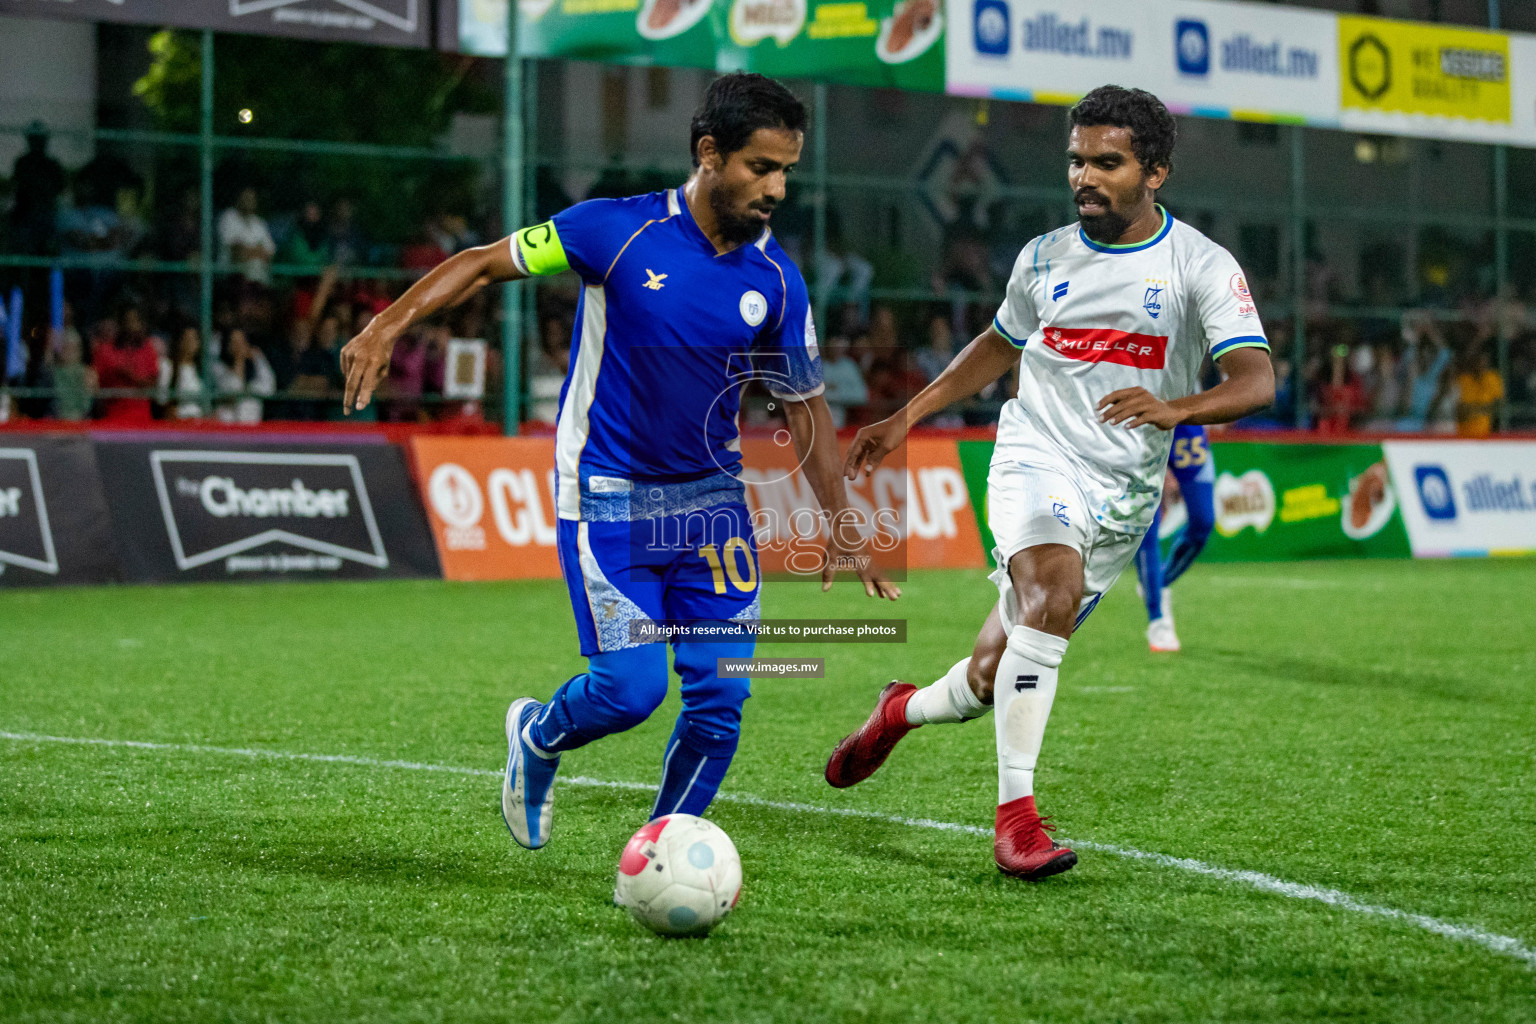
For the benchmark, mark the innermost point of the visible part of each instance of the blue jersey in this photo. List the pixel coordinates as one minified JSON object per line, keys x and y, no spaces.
{"x":668,"y":332}
{"x":1190,"y":456}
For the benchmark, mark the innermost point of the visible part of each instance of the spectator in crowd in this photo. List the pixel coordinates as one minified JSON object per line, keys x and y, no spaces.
{"x":307,"y":244}
{"x":841,"y":267}
{"x":892,"y":383}
{"x":348,"y":246}
{"x":73,"y":383}
{"x":932,"y":359}
{"x":1428,"y":358}
{"x":242,"y":378}
{"x":180,"y":236}
{"x":845,"y":387}
{"x":126,"y":356}
{"x":1479,"y":391}
{"x":1342,"y":397}
{"x":289,"y":363}
{"x":1385,"y":385}
{"x":407,"y":372}
{"x":245,"y":242}
{"x":435,"y":366}
{"x":181,"y":377}
{"x":37,"y":181}
{"x":426,"y":251}
{"x":878,"y":341}
{"x":547,"y":369}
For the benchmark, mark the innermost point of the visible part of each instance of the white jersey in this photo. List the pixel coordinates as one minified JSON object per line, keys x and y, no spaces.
{"x":1095,"y":318}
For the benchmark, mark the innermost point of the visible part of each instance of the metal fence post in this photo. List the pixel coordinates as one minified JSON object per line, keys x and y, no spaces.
{"x":205,"y":225}
{"x":1501,"y":248}
{"x":819,"y":207}
{"x":511,"y":216}
{"x":1299,"y":275}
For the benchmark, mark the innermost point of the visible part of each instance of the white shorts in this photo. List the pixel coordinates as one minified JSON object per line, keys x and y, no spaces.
{"x":1035,"y":503}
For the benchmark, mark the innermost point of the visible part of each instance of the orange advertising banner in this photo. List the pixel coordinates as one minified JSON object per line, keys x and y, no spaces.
{"x":491,"y":506}
{"x":915,"y":508}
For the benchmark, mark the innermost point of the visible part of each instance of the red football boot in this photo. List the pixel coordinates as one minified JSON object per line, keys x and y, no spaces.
{"x":857,"y":757}
{"x":1022,"y":847}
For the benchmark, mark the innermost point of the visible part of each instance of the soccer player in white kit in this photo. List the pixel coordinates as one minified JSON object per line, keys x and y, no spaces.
{"x":1113,"y":316}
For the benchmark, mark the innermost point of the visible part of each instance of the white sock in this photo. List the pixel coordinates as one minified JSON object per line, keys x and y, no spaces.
{"x":1022,"y":696}
{"x":948,"y":700}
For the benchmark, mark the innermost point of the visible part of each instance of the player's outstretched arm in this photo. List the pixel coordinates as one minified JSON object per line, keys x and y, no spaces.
{"x":365,"y":359}
{"x":980,"y":363}
{"x":815,"y":440}
{"x":1249,"y":386}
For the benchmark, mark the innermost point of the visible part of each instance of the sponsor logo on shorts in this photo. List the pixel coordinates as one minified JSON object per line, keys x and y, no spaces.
{"x":1102,"y":345}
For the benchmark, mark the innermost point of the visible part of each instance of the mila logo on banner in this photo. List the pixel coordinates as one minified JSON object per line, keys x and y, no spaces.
{"x":225,"y":505}
{"x":26,"y":540}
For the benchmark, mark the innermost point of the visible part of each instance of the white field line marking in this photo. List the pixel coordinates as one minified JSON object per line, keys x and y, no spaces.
{"x":1504,"y":944}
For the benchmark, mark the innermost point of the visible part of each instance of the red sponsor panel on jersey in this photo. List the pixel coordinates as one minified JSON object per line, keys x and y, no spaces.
{"x":1102,"y":345}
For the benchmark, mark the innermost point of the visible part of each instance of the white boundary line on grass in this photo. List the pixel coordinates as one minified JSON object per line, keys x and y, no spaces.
{"x":1503,"y":944}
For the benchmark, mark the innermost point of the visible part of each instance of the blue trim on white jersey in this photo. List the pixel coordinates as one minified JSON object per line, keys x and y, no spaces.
{"x":1015,"y":342}
{"x":1221,"y":348}
{"x":1121,"y":250}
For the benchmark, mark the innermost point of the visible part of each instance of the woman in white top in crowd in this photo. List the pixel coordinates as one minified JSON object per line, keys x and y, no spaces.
{"x":181,"y":377}
{"x":243,"y":377}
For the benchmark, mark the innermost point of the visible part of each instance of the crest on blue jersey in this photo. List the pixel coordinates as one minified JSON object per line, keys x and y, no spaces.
{"x":1152,"y":302}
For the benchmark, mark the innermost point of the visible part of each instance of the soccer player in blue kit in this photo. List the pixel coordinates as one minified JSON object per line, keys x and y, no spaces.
{"x":1190,"y":462}
{"x":685,"y":298}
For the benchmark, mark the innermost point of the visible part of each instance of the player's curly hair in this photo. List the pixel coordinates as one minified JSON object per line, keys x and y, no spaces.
{"x":1153,"y":130}
{"x":737,"y":105}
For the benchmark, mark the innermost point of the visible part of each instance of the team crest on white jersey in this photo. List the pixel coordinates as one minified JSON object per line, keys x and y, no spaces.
{"x":1152,"y":301}
{"x":754,"y":308}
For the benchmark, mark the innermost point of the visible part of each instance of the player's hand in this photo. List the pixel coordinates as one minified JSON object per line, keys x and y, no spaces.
{"x":873,"y":443}
{"x":1136,"y":407}
{"x":365,"y":361}
{"x":845,"y":554}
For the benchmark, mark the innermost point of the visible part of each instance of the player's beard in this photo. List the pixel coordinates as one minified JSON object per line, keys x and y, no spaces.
{"x":735,"y":228}
{"x":1107,"y":227}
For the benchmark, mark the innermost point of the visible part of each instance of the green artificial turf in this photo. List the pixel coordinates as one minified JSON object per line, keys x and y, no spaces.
{"x":1365,"y":727}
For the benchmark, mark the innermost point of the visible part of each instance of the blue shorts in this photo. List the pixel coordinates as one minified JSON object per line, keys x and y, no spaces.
{"x":697,"y":566}
{"x":1190,"y":458}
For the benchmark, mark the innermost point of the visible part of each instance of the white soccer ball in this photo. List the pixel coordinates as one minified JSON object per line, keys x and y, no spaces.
{"x":679,"y":875}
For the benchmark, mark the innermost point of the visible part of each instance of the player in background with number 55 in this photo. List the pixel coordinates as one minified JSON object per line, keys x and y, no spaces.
{"x":686,"y":298}
{"x":1194,"y":469}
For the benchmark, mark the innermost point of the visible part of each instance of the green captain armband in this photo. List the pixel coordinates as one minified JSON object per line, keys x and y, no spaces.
{"x":537,"y":250}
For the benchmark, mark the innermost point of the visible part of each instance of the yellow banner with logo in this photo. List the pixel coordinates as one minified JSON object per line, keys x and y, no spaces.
{"x":1402,"y":67}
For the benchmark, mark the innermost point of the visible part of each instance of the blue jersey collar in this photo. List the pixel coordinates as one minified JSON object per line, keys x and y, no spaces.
{"x":677,"y":200}
{"x":1121,"y":250}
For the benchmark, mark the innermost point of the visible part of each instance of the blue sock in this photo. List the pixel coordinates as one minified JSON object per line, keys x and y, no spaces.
{"x":696,"y":761}
{"x":1200,"y":502}
{"x":704,"y":740}
{"x":618,"y":691}
{"x":1149,"y":569}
